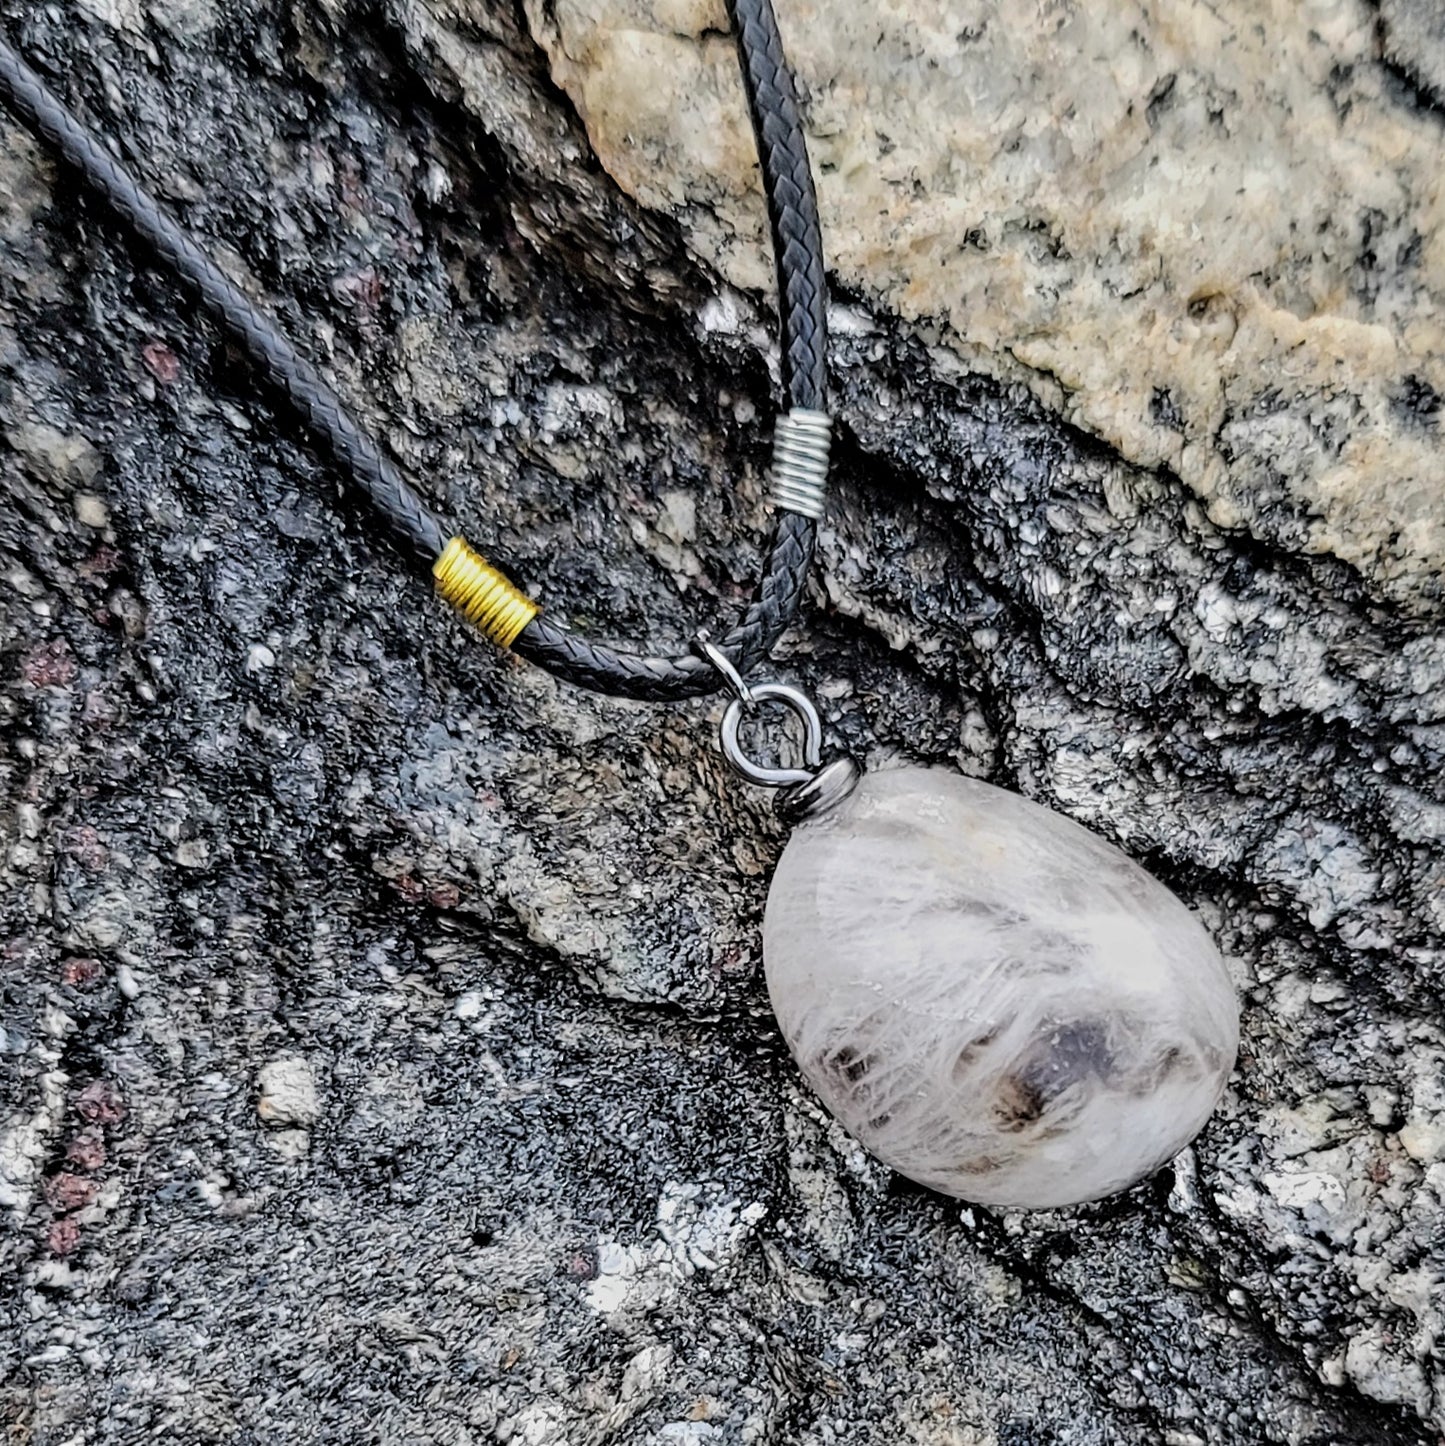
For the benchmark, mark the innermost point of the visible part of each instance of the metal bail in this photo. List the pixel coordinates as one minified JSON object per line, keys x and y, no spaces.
{"x":722,"y":665}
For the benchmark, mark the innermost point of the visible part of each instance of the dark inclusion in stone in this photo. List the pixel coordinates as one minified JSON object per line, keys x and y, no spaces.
{"x":1072,"y":1054}
{"x":848,"y":1064}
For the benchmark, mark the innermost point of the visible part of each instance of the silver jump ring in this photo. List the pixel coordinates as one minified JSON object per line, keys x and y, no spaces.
{"x":800,"y":704}
{"x":809,"y":790}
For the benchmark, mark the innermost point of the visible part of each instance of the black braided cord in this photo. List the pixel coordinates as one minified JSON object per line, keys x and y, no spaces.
{"x":797,"y":245}
{"x":317,"y":404}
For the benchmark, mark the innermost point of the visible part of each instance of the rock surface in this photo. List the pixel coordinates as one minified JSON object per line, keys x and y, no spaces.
{"x":1211,"y":235}
{"x":1137,"y":359}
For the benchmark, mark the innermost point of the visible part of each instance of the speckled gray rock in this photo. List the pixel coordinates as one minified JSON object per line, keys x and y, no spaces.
{"x":993,"y":1000}
{"x":555,"y":1178}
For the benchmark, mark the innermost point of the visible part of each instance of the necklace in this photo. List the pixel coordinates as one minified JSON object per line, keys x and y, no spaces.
{"x":993,"y":1000}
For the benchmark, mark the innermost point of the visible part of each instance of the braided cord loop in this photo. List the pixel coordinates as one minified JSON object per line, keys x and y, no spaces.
{"x":797,"y":246}
{"x":802,"y":301}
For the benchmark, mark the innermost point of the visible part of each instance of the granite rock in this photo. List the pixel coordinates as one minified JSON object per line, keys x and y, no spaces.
{"x":1134,"y":516}
{"x":1209,"y":235}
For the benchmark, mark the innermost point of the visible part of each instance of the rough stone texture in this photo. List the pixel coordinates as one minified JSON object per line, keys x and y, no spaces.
{"x":1151,"y":535}
{"x":995,"y":1002}
{"x":1208,"y":234}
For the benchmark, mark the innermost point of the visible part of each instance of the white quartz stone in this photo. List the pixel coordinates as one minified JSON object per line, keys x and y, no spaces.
{"x":993,"y":1000}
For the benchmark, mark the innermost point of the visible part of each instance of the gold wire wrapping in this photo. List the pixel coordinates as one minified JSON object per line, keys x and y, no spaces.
{"x":485,"y":597}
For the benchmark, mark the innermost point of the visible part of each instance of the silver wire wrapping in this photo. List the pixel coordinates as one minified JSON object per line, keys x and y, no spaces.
{"x":802,"y":440}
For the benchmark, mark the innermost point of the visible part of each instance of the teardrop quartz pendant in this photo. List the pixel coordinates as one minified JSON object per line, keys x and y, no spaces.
{"x":993,"y":1000}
